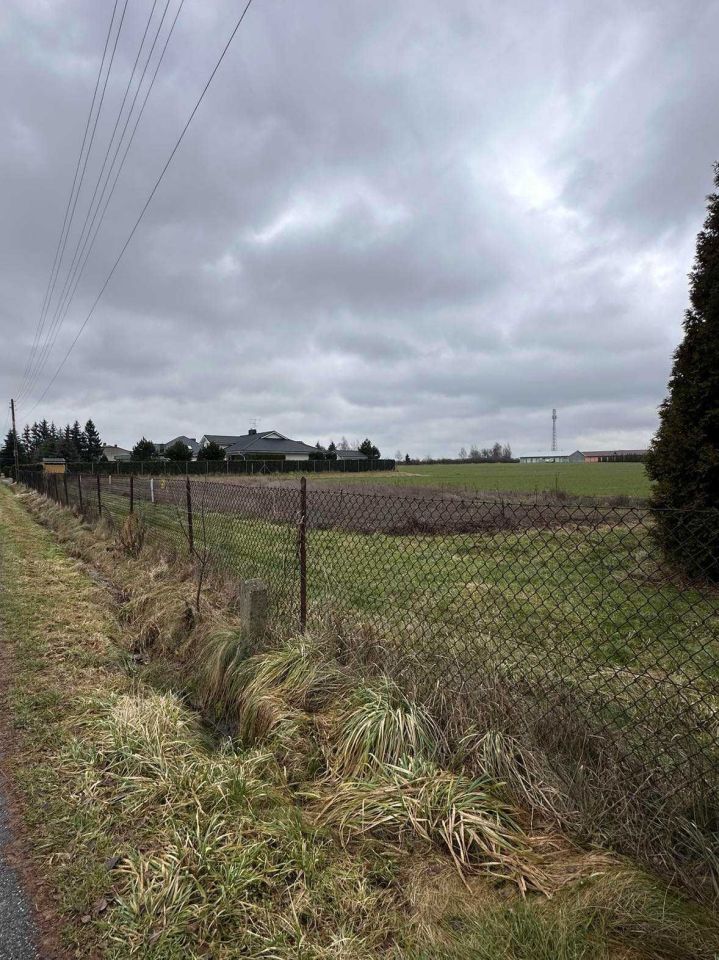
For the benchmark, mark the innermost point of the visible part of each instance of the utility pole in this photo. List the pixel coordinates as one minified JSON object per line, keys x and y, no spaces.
{"x":554,"y":430}
{"x":14,"y":437}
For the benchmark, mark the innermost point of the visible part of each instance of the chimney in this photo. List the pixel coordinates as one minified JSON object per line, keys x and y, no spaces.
{"x":251,"y":431}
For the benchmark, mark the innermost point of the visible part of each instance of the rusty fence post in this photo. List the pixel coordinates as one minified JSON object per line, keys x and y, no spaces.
{"x":132,"y":492}
{"x":99,"y":496}
{"x":303,"y":554}
{"x":79,"y":491}
{"x":190,"y":534}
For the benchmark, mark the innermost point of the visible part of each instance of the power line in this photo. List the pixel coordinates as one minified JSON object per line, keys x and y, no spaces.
{"x":86,"y":242}
{"x":122,"y":162}
{"x":38,"y":328}
{"x":89,"y":149}
{"x":147,"y":202}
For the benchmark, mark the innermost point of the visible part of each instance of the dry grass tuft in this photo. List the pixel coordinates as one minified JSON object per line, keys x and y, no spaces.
{"x":161,"y":617}
{"x":523,"y":772}
{"x":131,"y":535}
{"x":259,"y":691}
{"x":468,"y":818}
{"x":380,"y":726}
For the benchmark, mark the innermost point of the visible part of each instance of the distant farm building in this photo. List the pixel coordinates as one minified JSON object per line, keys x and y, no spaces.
{"x":587,"y":456}
{"x":614,"y":456}
{"x":554,"y":457}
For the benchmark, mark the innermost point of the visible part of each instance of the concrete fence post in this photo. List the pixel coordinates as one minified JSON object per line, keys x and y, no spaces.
{"x":253,"y":608}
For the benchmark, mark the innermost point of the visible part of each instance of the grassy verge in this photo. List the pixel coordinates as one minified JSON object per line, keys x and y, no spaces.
{"x":333,"y":823}
{"x":573,"y":640}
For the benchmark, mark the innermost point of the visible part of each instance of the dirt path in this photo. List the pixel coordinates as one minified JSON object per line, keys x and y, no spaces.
{"x":17,"y":925}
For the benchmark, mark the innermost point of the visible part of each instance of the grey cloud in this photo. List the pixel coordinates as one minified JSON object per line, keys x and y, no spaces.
{"x":429,"y":224}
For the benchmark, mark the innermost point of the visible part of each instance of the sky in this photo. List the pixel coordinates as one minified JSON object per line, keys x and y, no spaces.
{"x":426,"y":223}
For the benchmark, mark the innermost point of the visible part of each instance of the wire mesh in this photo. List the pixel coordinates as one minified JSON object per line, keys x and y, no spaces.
{"x":558,"y":622}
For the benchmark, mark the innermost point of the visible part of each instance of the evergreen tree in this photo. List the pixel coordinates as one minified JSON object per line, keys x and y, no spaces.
{"x":144,"y":449}
{"x":27,"y":443}
{"x":332,"y":451}
{"x":78,"y":441}
{"x":684,"y":456}
{"x":178,"y":451}
{"x":92,"y":446}
{"x":7,"y":452}
{"x":212,"y":451}
{"x":369,"y":449}
{"x":68,"y":448}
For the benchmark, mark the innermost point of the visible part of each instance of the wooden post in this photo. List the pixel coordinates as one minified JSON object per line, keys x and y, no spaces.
{"x":99,"y":497}
{"x":190,"y":534}
{"x":303,"y":554}
{"x":79,"y":491}
{"x":16,"y":449}
{"x":132,"y":492}
{"x":64,"y":483}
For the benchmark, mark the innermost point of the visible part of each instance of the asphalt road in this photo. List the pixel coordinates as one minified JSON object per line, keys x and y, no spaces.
{"x":17,"y":930}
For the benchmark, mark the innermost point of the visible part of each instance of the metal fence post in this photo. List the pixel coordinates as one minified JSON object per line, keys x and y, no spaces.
{"x":132,"y":492}
{"x":303,"y":554}
{"x":79,"y":491}
{"x":99,"y":496}
{"x":64,"y":483}
{"x":190,"y":534}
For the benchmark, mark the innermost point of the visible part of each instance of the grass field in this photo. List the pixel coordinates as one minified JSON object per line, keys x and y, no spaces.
{"x":599,"y":594}
{"x":577,"y":479}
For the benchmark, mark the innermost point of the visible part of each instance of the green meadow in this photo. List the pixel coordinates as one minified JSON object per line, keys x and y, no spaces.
{"x":576,"y":479}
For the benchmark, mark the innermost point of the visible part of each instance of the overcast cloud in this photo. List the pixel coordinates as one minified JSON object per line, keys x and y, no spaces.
{"x":428,"y":223}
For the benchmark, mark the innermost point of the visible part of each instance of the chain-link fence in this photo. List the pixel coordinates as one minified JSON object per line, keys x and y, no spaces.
{"x":558,"y":624}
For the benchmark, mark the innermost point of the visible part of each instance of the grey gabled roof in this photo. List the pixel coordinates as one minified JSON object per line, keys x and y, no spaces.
{"x":270,"y":441}
{"x":222,"y":439}
{"x":188,"y":441}
{"x":351,"y":455}
{"x":114,"y":449}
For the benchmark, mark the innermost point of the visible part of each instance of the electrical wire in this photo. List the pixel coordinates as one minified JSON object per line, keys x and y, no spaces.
{"x":146,"y":205}
{"x":89,"y":149}
{"x":75,"y":270}
{"x":39,"y":325}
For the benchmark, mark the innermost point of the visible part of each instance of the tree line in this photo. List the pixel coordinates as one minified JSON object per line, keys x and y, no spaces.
{"x":369,"y":449}
{"x":43,"y":439}
{"x":497,"y":453}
